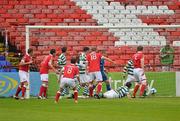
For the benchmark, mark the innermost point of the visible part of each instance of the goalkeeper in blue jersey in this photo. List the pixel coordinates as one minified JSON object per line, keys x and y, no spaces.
{"x":120,"y":92}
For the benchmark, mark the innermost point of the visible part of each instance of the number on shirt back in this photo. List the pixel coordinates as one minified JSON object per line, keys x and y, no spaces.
{"x":69,"y":71}
{"x":93,"y":56}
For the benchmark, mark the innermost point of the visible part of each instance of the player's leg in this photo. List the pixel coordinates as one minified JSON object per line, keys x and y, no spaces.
{"x":24,"y":83}
{"x":73,"y":85}
{"x":44,"y":86}
{"x":137,"y":85}
{"x":85,"y":84}
{"x":91,"y":86}
{"x":143,"y":83}
{"x":61,"y":88}
{"x":24,"y":86}
{"x":105,"y":79}
{"x":99,"y":82}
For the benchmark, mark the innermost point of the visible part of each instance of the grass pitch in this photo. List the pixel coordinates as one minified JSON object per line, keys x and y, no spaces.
{"x":146,"y":109}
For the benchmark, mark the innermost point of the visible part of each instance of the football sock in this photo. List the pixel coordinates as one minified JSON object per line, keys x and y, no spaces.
{"x":108,"y":87}
{"x":86,"y":90}
{"x":18,"y":91}
{"x":75,"y":95}
{"x":78,"y":87}
{"x":135,"y":90}
{"x":91,"y":91}
{"x":23,"y":90}
{"x":99,"y":87}
{"x":142,"y":90}
{"x":45,"y":91}
{"x":42,"y":88}
{"x":58,"y":94}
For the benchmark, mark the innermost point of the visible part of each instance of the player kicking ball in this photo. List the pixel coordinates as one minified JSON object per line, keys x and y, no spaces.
{"x":70,"y":72}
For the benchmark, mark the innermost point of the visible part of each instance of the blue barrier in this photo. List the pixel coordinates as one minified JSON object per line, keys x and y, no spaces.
{"x":10,"y":81}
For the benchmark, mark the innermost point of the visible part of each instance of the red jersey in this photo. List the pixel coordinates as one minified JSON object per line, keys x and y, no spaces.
{"x":137,"y":59}
{"x":26,"y":58}
{"x":70,"y":71}
{"x":94,"y":60}
{"x":45,"y":64}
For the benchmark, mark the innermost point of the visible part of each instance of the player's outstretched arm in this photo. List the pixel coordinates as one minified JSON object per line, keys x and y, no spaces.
{"x":108,"y":59}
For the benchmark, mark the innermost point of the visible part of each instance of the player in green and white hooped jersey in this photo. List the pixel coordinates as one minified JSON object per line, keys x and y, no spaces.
{"x":120,"y":92}
{"x":61,"y":63}
{"x":84,"y":78}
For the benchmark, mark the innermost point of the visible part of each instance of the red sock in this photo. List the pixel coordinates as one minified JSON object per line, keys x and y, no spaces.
{"x":91,"y":91}
{"x":23,"y":91}
{"x":58,"y":94}
{"x":41,"y":90}
{"x":75,"y":95}
{"x":142,"y":89}
{"x":18,"y":91}
{"x":99,"y":87}
{"x":135,"y":90}
{"x":45,"y":91}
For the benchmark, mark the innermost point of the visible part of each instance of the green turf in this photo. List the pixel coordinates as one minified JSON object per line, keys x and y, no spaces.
{"x":148,"y":109}
{"x":164,"y":82}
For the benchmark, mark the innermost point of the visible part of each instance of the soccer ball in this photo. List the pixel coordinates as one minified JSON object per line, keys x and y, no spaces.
{"x":153,"y":91}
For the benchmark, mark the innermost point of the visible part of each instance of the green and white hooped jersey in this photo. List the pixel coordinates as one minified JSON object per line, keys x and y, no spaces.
{"x":82,"y":63}
{"x":129,"y":68}
{"x":62,"y":60}
{"x":123,"y":91}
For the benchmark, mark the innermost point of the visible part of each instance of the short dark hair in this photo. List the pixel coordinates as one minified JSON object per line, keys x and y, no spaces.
{"x":64,"y":49}
{"x":52,"y":51}
{"x":85,"y":49}
{"x":128,"y":84}
{"x":73,"y":60}
{"x":30,"y":50}
{"x":139,"y":48}
{"x":93,"y":48}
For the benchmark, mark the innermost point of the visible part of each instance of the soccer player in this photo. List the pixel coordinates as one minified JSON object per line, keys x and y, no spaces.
{"x":138,"y":60}
{"x":84,"y":78}
{"x":121,"y":92}
{"x":94,"y":59}
{"x":104,"y":73}
{"x":62,"y":58}
{"x":70,"y":72}
{"x":24,"y":73}
{"x":46,"y":64}
{"x":61,"y":63}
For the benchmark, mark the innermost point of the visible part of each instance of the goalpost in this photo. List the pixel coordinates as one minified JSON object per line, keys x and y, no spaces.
{"x":29,"y":27}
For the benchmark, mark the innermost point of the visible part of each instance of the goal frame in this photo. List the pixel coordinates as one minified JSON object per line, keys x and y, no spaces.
{"x":29,"y":27}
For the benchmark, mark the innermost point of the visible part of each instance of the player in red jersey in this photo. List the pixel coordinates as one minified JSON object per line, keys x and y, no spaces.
{"x":70,"y":72}
{"x":94,"y":59}
{"x":46,"y":64}
{"x":138,"y":60}
{"x":24,"y":73}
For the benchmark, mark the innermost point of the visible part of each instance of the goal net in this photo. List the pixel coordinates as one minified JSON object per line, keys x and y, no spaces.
{"x":120,"y":44}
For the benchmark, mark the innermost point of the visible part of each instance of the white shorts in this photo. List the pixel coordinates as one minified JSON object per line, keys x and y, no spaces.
{"x":111,"y":94}
{"x":24,"y":76}
{"x":44,"y":77}
{"x":130,"y":78}
{"x":140,"y":75}
{"x":84,"y":78}
{"x":97,"y":76}
{"x":67,"y":82}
